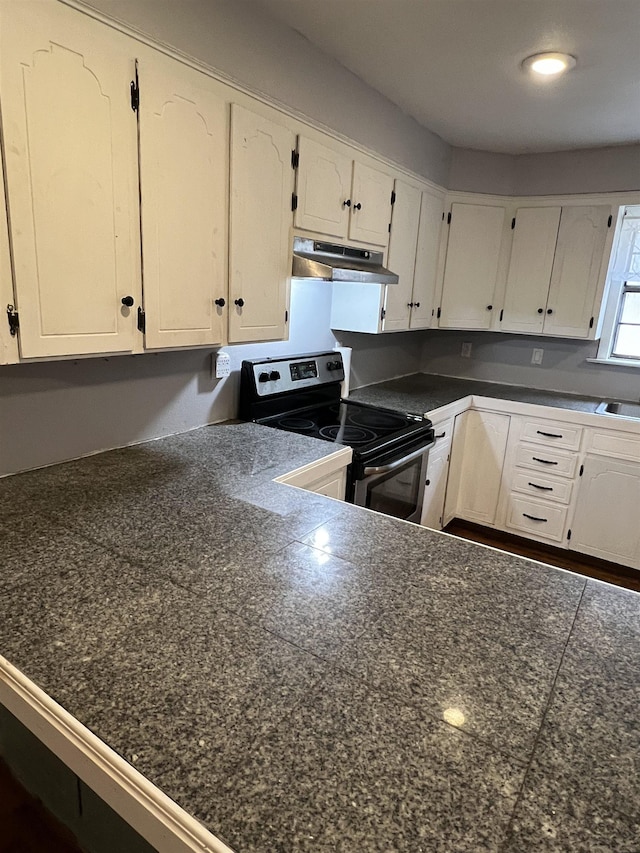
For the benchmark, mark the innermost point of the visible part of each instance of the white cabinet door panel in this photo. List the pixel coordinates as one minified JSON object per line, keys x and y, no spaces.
{"x":471,"y":267}
{"x":371,"y":190}
{"x":606,"y":519}
{"x":435,"y":486}
{"x":260,"y":227}
{"x":183,"y":175}
{"x":576,"y":269}
{"x":477,"y":460}
{"x":425,"y":277}
{"x":323,"y":189}
{"x":532,"y":252}
{"x":71,"y":160}
{"x":402,"y":256}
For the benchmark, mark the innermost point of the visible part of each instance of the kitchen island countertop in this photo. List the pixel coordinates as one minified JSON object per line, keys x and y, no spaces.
{"x":304,"y":675}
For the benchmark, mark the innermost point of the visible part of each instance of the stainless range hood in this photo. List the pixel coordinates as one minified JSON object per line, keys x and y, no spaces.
{"x":331,"y":262}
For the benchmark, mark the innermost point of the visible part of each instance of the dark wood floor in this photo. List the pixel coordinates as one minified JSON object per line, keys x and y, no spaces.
{"x":570,"y":560}
{"x":25,"y":825}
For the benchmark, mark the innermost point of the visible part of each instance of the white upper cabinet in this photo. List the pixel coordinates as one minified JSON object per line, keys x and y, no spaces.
{"x":184,"y":132}
{"x":576,"y":273}
{"x":323,"y":189}
{"x":339,"y":197}
{"x":402,"y":256}
{"x":370,"y":205}
{"x":471,"y":267}
{"x":8,"y":341}
{"x":425,"y":277}
{"x":70,"y":142}
{"x":260,"y":227}
{"x":532,"y":251}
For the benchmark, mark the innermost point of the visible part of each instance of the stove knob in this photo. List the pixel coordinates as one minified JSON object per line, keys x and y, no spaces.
{"x":274,"y":375}
{"x":333,"y":365}
{"x":264,"y":377}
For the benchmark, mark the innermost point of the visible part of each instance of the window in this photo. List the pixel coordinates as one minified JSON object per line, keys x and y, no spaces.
{"x":621,"y":330}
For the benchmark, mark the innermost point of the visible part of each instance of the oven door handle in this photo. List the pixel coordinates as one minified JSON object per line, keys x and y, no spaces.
{"x":383,"y":469}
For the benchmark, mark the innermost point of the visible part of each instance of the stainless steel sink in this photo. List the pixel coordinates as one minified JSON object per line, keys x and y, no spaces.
{"x":622,"y":410}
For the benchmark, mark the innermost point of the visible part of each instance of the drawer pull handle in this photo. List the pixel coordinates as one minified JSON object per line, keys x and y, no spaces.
{"x":549,"y":434}
{"x":544,"y":461}
{"x":442,"y":435}
{"x":534,"y":517}
{"x":542,"y":488}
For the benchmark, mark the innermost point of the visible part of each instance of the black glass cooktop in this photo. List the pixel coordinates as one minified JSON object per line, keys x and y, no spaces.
{"x":357,"y":425}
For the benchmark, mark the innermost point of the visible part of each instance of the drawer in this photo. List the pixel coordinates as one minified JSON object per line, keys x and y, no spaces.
{"x":552,"y":434}
{"x":562,"y":463}
{"x":538,"y":518}
{"x":540,"y":486}
{"x":623,"y":445}
{"x":443,"y":432}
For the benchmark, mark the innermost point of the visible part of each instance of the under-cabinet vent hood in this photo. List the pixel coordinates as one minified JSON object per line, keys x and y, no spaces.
{"x":331,"y":262}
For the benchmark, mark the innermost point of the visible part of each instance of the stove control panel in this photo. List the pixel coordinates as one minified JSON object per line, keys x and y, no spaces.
{"x":279,"y":375}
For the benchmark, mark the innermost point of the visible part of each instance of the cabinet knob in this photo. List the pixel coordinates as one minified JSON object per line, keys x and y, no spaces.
{"x":540,"y":310}
{"x":220,"y":302}
{"x":357,"y":206}
{"x":346,"y":202}
{"x":409,"y":304}
{"x":127,"y":300}
{"x":428,"y":483}
{"x":549,"y":310}
{"x":239,"y":302}
{"x":489,"y":307}
{"x":416,"y":304}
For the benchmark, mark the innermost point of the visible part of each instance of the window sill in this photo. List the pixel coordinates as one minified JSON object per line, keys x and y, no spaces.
{"x":616,"y":362}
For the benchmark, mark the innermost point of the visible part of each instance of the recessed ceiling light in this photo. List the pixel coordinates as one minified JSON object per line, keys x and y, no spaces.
{"x":549,"y":64}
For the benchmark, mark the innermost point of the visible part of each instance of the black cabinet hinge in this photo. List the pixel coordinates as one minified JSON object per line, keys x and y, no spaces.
{"x":393,"y":196}
{"x":294,"y":201}
{"x":581,"y":471}
{"x":439,"y":312}
{"x":383,"y":314}
{"x":389,"y":228}
{"x":591,"y":323}
{"x":443,"y":215}
{"x":449,"y":218}
{"x":286,"y":316}
{"x":142,"y":321}
{"x":568,"y":535}
{"x":135,"y":95}
{"x":501,"y":314}
{"x":513,"y":223}
{"x":13,"y":319}
{"x":295,"y":159}
{"x":609,"y":221}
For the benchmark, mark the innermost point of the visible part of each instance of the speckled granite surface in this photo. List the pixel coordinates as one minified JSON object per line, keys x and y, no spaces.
{"x":424,"y":392}
{"x":302,"y":675}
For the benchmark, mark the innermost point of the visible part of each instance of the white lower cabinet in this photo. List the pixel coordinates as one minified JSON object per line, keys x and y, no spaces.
{"x":477,"y":460}
{"x":437,"y":471}
{"x":327,"y":476}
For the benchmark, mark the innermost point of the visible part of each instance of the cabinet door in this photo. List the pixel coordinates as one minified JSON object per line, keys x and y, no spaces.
{"x":260,"y":227}
{"x":471,"y":267}
{"x":70,"y":139}
{"x":8,"y":342}
{"x":435,"y":487}
{"x":323,"y":188}
{"x":183,"y":185}
{"x":402,"y":256}
{"x":606,"y":519}
{"x":477,"y":459}
{"x":576,"y":270}
{"x":425,"y":278}
{"x":370,"y":205}
{"x":529,"y":276}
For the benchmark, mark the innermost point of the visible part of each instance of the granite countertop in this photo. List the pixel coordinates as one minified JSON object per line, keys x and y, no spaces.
{"x":424,"y":392}
{"x":304,"y":675}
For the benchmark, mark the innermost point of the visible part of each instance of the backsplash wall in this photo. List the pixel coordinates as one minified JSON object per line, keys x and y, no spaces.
{"x":504,"y":358}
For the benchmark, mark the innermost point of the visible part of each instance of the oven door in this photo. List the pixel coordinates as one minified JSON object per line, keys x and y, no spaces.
{"x":395,"y":487}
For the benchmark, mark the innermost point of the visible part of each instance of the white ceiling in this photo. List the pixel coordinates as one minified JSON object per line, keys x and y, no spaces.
{"x":454,"y":65}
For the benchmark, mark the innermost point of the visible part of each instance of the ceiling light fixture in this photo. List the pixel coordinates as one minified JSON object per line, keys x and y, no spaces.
{"x":549,"y":64}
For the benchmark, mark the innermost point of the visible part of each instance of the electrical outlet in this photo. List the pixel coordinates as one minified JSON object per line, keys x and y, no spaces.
{"x":465,"y":350}
{"x":536,"y":356}
{"x":220,"y":364}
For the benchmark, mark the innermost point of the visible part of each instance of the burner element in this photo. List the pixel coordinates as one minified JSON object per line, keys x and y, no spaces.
{"x":297,"y":424}
{"x":347,"y":434}
{"x":376,"y":419}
